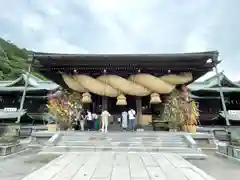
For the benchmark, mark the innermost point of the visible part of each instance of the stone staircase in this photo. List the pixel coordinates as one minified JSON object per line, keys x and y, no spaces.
{"x":126,"y":142}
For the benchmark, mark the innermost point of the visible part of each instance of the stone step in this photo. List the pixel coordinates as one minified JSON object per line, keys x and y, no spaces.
{"x":122,"y":138}
{"x":123,"y":134}
{"x":129,"y":142}
{"x":123,"y":141}
{"x":119,"y":134}
{"x":188,"y":153}
{"x":124,"y":145}
{"x":111,"y":148}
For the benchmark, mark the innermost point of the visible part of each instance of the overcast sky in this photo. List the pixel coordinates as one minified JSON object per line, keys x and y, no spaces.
{"x":126,"y":26}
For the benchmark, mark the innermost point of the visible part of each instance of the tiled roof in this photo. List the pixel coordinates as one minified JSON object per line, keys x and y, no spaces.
{"x":11,"y":115}
{"x":211,"y":84}
{"x":34,"y":83}
{"x":231,"y":116}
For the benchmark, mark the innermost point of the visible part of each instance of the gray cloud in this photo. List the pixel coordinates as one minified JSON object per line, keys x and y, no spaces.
{"x":126,"y":26}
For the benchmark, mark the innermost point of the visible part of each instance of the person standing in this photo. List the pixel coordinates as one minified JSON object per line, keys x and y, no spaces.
{"x":131,"y":117}
{"x":81,"y":119}
{"x":89,"y":120}
{"x":95,"y":121}
{"x":124,"y":120}
{"x":105,"y":114}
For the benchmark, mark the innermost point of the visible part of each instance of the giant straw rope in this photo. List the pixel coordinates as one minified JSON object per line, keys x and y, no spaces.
{"x":116,"y":86}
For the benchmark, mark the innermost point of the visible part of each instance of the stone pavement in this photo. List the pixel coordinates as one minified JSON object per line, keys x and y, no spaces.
{"x":118,"y":165}
{"x":218,"y":167}
{"x":17,"y":166}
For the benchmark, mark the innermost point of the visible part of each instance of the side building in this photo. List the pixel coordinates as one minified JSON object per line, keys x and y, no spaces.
{"x":207,"y":94}
{"x":37,"y":94}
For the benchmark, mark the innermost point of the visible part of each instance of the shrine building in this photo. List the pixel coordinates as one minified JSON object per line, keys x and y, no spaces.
{"x":117,"y":81}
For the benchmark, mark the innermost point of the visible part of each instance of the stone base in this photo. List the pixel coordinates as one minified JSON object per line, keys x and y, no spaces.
{"x":8,"y":149}
{"x":204,"y":140}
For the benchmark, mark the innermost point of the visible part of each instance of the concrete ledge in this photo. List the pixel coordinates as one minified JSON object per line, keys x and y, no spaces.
{"x":205,"y":140}
{"x":39,"y":128}
{"x":202,"y":136}
{"x":191,"y":142}
{"x":43,"y":134}
{"x":9,"y":149}
{"x":54,"y":139}
{"x":14,"y":154}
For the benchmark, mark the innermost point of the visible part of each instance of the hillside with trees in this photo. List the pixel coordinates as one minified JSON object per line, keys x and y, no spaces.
{"x":13,"y":61}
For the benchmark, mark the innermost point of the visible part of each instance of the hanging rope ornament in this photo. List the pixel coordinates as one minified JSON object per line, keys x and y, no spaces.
{"x":155,"y":98}
{"x":121,"y":100}
{"x":140,"y":84}
{"x":86,"y":98}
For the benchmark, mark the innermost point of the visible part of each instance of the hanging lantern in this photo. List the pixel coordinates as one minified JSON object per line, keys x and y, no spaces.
{"x":155,"y":98}
{"x":86,"y":98}
{"x":121,"y":100}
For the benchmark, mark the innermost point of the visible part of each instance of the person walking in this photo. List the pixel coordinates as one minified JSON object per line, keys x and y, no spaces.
{"x":131,"y":117}
{"x":105,"y":114}
{"x":124,"y":120}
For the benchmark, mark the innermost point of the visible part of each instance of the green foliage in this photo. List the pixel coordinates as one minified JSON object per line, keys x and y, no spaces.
{"x":13,"y":61}
{"x":173,"y":112}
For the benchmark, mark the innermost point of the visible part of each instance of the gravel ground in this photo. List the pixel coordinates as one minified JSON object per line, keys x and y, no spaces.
{"x":218,"y":167}
{"x":18,"y":166}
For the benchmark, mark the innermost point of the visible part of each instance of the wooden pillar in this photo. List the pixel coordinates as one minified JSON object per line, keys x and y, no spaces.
{"x":104,"y":103}
{"x":104,"y":98}
{"x":94,"y":106}
{"x":139,"y":110}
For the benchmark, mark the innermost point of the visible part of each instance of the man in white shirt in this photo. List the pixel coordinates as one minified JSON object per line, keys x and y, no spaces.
{"x":105,"y":114}
{"x":131,"y":117}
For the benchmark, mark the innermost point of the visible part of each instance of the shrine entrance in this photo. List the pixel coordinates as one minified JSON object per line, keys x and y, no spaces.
{"x":112,"y":81}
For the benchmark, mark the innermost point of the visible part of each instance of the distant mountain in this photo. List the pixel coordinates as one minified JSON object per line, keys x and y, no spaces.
{"x":13,"y":61}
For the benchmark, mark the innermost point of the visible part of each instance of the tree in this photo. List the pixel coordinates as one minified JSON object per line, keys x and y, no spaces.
{"x":173,"y":112}
{"x":64,"y":108}
{"x":13,"y":61}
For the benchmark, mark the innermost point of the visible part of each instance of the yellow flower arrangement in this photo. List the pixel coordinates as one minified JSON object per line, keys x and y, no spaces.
{"x":62,"y":107}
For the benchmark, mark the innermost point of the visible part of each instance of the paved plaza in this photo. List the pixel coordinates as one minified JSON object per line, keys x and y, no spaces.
{"x":116,"y":166}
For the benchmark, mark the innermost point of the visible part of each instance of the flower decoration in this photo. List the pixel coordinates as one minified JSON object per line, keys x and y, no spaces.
{"x":62,"y":107}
